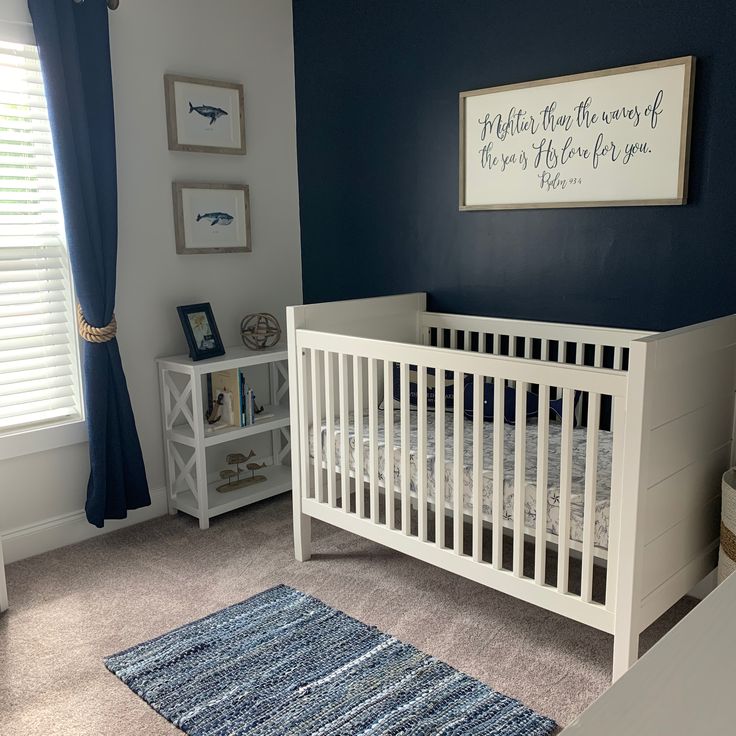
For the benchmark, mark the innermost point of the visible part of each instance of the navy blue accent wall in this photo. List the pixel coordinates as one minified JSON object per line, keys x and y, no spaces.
{"x":377,"y":88}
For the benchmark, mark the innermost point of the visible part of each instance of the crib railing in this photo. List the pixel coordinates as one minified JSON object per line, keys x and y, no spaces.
{"x":570,"y":344}
{"x":343,"y":379}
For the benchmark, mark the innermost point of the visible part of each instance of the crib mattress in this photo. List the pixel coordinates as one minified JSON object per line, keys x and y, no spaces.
{"x":603,"y":486}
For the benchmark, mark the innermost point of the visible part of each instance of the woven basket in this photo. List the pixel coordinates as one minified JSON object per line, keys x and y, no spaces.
{"x":727,"y":551}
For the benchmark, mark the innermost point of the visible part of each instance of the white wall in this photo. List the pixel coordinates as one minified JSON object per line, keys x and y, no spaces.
{"x":248,"y":41}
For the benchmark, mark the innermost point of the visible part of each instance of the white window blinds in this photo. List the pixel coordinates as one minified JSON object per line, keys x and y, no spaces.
{"x":39,"y":360}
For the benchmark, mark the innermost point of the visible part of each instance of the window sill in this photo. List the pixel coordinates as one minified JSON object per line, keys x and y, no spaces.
{"x":40,"y":439}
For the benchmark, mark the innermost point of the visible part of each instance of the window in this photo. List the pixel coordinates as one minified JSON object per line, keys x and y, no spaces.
{"x":39,"y":356}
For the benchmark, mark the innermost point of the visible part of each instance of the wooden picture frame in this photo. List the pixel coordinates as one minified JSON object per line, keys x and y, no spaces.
{"x":197,"y":125}
{"x":673,"y":156}
{"x":194,"y":232}
{"x":200,"y":330}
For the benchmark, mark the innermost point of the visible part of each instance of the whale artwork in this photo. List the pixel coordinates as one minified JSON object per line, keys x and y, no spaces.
{"x":204,"y":115}
{"x":211,"y":218}
{"x":207,"y":111}
{"x":216,"y":218}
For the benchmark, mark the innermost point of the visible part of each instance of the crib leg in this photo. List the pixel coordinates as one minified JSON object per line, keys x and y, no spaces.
{"x":302,"y":536}
{"x":625,"y":650}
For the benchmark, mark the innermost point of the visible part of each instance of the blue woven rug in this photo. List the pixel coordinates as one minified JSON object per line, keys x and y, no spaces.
{"x":283,"y":662}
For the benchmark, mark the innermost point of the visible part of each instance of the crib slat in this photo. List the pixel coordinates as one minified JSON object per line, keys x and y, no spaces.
{"x":561,"y":358}
{"x":540,"y":542}
{"x":544,"y":349}
{"x":483,"y":342}
{"x":598,"y":356}
{"x":373,"y":436}
{"x":388,"y":454}
{"x":579,"y":360}
{"x":439,"y":458}
{"x":405,"y":438}
{"x":303,"y":382}
{"x":579,"y":353}
{"x":422,"y":452}
{"x":498,"y":470}
{"x":618,"y":422}
{"x":458,"y":443}
{"x":563,"y":548}
{"x":317,"y":422}
{"x":453,"y":339}
{"x":478,"y":382}
{"x":330,"y":422}
{"x":591,"y":478}
{"x":527,"y":347}
{"x":344,"y":433}
{"x":358,"y":432}
{"x":618,"y":358}
{"x":467,"y":340}
{"x":496,"y":344}
{"x":519,"y":478}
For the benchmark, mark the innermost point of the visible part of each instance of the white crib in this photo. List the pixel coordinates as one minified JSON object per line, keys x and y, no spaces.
{"x":622,"y":481}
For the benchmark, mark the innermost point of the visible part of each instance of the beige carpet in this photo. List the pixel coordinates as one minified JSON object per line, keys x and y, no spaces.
{"x":73,"y":606}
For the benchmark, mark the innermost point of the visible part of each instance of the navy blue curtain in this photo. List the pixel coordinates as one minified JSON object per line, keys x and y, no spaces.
{"x":73,"y":43}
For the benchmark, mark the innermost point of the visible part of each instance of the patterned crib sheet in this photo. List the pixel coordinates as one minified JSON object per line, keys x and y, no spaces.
{"x":603,"y":485}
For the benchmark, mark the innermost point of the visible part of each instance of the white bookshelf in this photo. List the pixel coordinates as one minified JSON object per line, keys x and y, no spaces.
{"x":191,"y":487}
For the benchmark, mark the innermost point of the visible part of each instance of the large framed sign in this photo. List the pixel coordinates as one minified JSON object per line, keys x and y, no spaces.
{"x":615,"y":137}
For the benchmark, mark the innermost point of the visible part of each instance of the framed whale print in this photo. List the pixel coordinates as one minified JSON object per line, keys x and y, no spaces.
{"x":204,"y":115}
{"x":211,"y":218}
{"x":610,"y":138}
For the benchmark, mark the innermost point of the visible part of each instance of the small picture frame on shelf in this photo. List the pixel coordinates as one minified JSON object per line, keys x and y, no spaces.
{"x":204,"y":115}
{"x":200,"y":330}
{"x":211,"y":218}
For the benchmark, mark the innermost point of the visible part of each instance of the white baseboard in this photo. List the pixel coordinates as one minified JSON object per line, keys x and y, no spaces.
{"x":59,"y":531}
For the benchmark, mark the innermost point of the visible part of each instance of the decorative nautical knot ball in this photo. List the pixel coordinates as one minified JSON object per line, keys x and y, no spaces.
{"x":260,"y":331}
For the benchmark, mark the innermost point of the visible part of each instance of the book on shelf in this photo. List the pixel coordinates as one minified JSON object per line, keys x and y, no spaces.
{"x":247,"y":402}
{"x":241,"y":394}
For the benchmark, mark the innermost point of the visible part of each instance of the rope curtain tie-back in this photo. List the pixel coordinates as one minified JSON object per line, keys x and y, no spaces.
{"x":95,"y":334}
